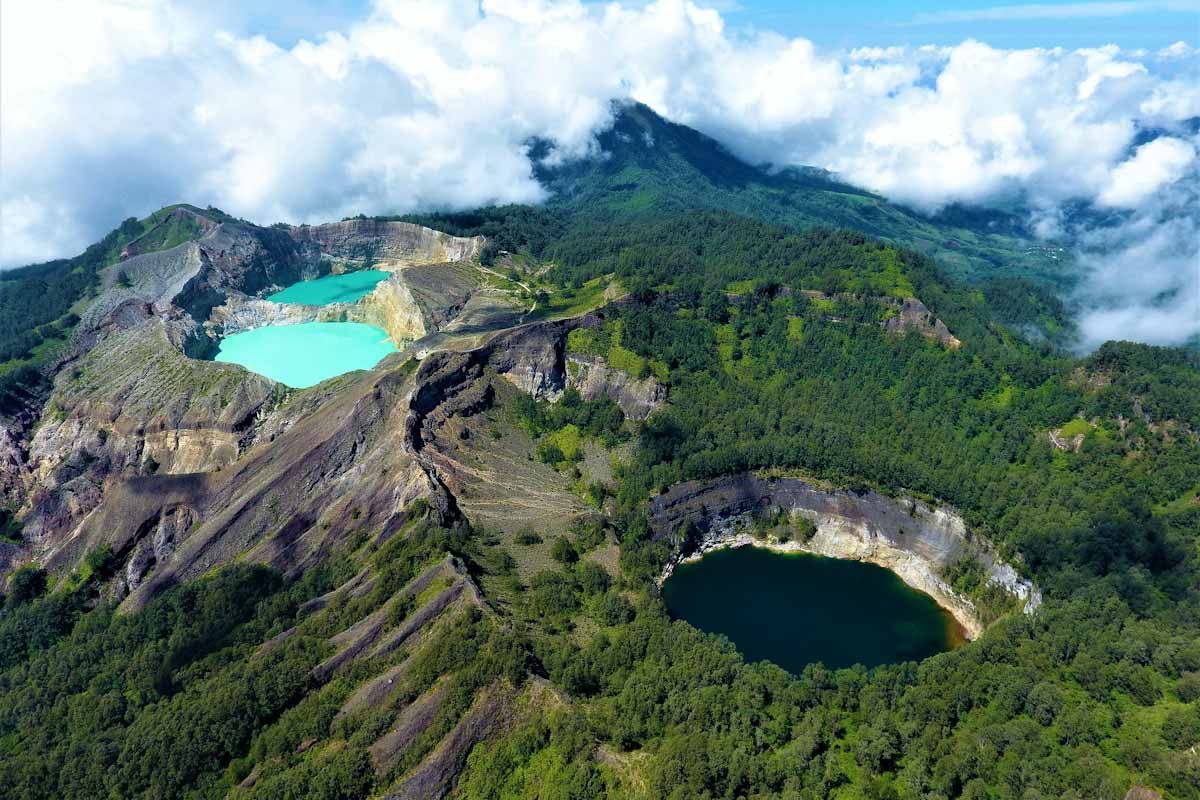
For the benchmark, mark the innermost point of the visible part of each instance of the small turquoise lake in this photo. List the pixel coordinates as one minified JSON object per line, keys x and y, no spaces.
{"x":795,"y":609}
{"x":305,"y":354}
{"x":344,"y":288}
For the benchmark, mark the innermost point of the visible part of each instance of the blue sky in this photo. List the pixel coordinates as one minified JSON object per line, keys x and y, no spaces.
{"x":853,"y":23}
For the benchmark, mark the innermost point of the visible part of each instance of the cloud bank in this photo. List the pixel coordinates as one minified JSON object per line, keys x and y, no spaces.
{"x":114,"y":108}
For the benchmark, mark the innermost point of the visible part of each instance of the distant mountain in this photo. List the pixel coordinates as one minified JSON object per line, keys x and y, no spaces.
{"x":647,"y":164}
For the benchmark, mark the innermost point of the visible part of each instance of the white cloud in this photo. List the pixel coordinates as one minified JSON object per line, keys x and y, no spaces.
{"x":1143,"y":281}
{"x":116,"y":107}
{"x":1180,"y":49}
{"x":1155,"y":164}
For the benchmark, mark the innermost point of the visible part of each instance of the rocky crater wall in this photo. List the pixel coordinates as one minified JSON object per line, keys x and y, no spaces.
{"x":386,"y":244}
{"x":409,"y":304}
{"x":914,"y":540}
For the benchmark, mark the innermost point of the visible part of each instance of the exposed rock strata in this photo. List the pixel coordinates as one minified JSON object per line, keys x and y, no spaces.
{"x":351,"y":454}
{"x":593,"y":378}
{"x":128,"y":403}
{"x":384,"y":245}
{"x":903,"y":534}
{"x":492,"y":712}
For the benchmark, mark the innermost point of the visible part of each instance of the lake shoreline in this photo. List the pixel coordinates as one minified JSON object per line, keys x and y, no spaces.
{"x":900,"y":563}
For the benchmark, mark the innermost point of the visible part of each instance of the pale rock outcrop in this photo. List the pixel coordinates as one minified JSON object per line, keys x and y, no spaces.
{"x":593,"y":378}
{"x":1060,"y":441}
{"x":912,"y":315}
{"x":386,"y":245}
{"x":393,"y":307}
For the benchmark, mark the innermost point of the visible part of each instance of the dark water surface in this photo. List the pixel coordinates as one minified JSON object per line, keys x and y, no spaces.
{"x":794,"y":609}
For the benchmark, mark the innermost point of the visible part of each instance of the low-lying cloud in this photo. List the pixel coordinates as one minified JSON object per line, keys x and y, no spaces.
{"x":115,"y":108}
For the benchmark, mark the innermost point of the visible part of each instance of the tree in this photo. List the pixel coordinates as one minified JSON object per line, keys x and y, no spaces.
{"x":26,"y":584}
{"x":563,"y":551}
{"x":593,"y":578}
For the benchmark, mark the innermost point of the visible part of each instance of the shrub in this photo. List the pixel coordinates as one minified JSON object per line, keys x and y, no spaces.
{"x":611,"y":608}
{"x":553,"y":594}
{"x":805,"y":529}
{"x":527,"y":536}
{"x":1188,"y":687}
{"x":589,"y":533}
{"x":549,"y":453}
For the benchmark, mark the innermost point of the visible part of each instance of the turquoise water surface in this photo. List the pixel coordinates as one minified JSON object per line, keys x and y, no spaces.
{"x":795,"y":609}
{"x":331,"y":289}
{"x":306,"y":354}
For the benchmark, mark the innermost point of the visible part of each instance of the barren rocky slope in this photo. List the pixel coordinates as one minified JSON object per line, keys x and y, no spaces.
{"x":134,"y":409}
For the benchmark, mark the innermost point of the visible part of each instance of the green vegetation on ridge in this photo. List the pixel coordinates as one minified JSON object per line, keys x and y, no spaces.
{"x":38,"y":302}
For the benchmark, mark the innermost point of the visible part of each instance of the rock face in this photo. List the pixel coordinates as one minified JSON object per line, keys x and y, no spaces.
{"x":909,"y":537}
{"x":912,"y":315}
{"x":387,"y":245}
{"x":531,"y":358}
{"x":14,"y":472}
{"x":593,"y":378}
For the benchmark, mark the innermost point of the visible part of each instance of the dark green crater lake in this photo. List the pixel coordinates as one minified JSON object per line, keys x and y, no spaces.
{"x":795,"y":609}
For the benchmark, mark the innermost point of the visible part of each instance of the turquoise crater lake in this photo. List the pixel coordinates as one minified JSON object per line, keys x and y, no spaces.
{"x":795,"y":609}
{"x":305,"y":354}
{"x":344,"y":288}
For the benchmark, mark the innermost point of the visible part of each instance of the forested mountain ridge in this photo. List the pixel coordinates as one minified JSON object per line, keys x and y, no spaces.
{"x":647,"y":164}
{"x":436,"y":578}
